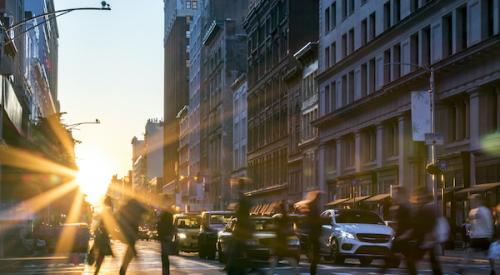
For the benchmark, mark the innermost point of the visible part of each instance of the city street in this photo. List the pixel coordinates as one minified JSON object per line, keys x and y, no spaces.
{"x":149,"y":263}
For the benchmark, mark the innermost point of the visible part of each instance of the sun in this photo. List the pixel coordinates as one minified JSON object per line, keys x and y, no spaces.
{"x":93,"y":177}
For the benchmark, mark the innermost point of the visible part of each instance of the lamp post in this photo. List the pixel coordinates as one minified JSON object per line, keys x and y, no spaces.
{"x":72,"y":126}
{"x":432,"y":161}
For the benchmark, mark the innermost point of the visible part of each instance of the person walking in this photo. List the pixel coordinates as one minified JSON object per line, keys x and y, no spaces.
{"x":424,"y":233}
{"x":283,"y":230}
{"x":311,"y":208}
{"x":129,"y":218}
{"x":102,"y":243}
{"x":165,"y":228}
{"x":243,"y":230}
{"x":480,"y":229}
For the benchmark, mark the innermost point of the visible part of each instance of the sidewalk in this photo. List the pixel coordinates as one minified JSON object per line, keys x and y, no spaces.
{"x":458,"y":255}
{"x":12,"y":263}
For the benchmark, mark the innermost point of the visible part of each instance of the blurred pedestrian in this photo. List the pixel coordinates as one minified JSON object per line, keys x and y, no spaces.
{"x":166,"y":233}
{"x":402,"y":215}
{"x":425,"y":222}
{"x":243,"y":231}
{"x":311,"y":208}
{"x":283,"y":230}
{"x":102,"y":242}
{"x":129,"y":218}
{"x":480,"y":230}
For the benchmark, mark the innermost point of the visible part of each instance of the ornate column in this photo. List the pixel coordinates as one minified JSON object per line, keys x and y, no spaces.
{"x":357,"y":151}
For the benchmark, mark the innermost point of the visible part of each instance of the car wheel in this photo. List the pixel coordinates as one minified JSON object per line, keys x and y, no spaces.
{"x":334,"y":254}
{"x":365,"y":261}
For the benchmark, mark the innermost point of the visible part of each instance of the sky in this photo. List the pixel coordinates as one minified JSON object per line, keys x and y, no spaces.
{"x":110,"y":68}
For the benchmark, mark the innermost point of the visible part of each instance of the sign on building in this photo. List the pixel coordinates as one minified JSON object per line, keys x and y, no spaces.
{"x":420,"y":114}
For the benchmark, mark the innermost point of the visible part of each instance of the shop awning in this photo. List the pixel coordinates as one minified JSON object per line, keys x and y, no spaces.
{"x":234,"y":205}
{"x":356,"y":199}
{"x":378,"y":198}
{"x":270,"y":208}
{"x":479,"y":188}
{"x":336,"y":202}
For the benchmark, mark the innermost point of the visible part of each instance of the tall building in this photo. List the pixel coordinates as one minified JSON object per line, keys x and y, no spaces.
{"x":276,"y":30}
{"x":240,"y":126}
{"x":372,"y":55}
{"x":211,"y":19}
{"x":302,"y":110}
{"x":178,"y":17}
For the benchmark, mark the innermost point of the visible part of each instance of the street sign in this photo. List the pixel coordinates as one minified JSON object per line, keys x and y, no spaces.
{"x":433,"y":139}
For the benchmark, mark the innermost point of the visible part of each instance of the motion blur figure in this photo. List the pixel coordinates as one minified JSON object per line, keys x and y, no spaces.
{"x":102,"y":243}
{"x":129,"y":218}
{"x":423,"y":232}
{"x":311,"y":208}
{"x":480,"y":230}
{"x":165,"y":234}
{"x":238,"y":262}
{"x":283,"y":231}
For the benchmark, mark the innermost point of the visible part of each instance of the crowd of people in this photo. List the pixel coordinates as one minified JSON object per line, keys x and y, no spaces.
{"x":420,"y":230}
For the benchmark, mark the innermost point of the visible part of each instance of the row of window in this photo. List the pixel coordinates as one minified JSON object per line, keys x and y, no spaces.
{"x":239,"y":157}
{"x":268,"y":128}
{"x":268,"y":170}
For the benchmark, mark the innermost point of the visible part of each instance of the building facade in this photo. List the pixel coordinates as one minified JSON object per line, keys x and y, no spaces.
{"x":276,"y":29}
{"x":178,"y":17}
{"x":240,"y":126}
{"x":372,"y":55}
{"x":302,"y":110}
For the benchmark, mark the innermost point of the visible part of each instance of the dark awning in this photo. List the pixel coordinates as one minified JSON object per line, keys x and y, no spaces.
{"x":479,"y":188}
{"x":336,"y":202}
{"x":378,"y":198}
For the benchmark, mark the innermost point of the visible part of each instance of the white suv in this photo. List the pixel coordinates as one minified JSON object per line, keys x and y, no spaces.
{"x":355,"y":233}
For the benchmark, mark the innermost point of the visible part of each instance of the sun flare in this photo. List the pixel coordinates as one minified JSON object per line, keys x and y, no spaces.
{"x":93,"y":178}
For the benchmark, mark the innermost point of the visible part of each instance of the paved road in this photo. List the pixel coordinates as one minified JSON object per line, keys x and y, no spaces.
{"x":149,"y":263}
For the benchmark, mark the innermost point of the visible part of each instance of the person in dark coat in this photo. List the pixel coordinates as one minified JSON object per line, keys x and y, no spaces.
{"x":129,"y":218}
{"x":283,"y":230}
{"x":166,"y":232}
{"x":311,"y":208}
{"x":102,"y":243}
{"x":243,"y":230}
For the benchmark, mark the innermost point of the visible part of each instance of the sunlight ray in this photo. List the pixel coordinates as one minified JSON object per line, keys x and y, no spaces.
{"x":144,"y":197}
{"x":20,"y":158}
{"x":67,"y":236}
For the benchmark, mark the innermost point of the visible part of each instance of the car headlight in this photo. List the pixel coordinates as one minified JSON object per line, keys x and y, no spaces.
{"x":252,"y":242}
{"x":293,"y":242}
{"x":347,"y":235}
{"x":181,"y":235}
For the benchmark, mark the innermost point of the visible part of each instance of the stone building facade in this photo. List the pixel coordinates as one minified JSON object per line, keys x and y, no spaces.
{"x":276,"y":29}
{"x":372,"y":55}
{"x":240,"y":126}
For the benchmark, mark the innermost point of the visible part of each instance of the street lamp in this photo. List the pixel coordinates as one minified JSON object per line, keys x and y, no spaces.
{"x":430,"y":168}
{"x":71,"y":126}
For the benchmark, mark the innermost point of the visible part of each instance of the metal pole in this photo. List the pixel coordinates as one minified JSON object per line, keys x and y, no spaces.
{"x":433,"y":130}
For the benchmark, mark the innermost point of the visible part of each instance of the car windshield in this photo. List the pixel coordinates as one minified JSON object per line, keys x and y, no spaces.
{"x":352,"y":216}
{"x":263,"y":224}
{"x":187,"y":222}
{"x":220,"y":218}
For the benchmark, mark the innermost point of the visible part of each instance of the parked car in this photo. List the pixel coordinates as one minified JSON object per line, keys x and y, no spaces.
{"x":260,"y":245}
{"x":187,"y":228}
{"x":212,"y":222}
{"x":143,"y":233}
{"x":355,"y":233}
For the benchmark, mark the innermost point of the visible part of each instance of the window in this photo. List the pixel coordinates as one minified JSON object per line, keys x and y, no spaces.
{"x":351,"y":40}
{"x":344,"y":9}
{"x":458,"y":119}
{"x":327,"y":57}
{"x":387,"y":15}
{"x":344,"y":90}
{"x":333,"y":53}
{"x":363,"y":79}
{"x":331,"y":157}
{"x":349,"y":151}
{"x":328,"y":107}
{"x":492,"y":111}
{"x":371,"y":33}
{"x":351,"y":7}
{"x":392,"y":140}
{"x":447,"y":36}
{"x":371,"y":77}
{"x":413,"y":5}
{"x":397,"y":11}
{"x":461,"y":33}
{"x":344,"y":45}
{"x":333,"y":18}
{"x":426,"y":46}
{"x":333,"y":95}
{"x":387,"y":66}
{"x":364,"y":32}
{"x":414,"y":51}
{"x":370,"y":145}
{"x":350,"y":96}
{"x":490,"y":18}
{"x":396,"y":59}
{"x":327,"y":20}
